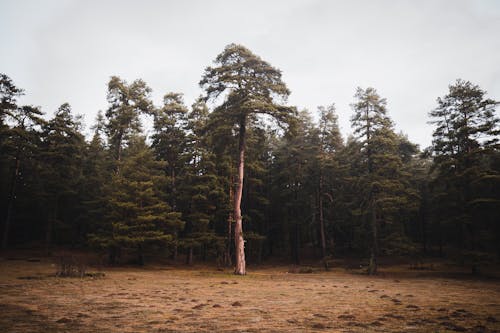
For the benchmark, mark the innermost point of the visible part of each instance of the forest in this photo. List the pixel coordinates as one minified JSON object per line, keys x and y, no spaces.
{"x":243,"y":177}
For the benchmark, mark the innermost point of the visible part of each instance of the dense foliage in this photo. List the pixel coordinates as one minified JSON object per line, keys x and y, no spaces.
{"x":306,"y":193}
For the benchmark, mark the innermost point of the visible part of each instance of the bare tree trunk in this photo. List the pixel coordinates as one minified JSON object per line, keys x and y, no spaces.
{"x":10,"y":206}
{"x":239,"y":242}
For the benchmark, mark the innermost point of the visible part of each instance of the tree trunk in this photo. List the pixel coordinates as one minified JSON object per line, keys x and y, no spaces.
{"x":239,"y":242}
{"x":322,"y":223}
{"x":140,"y":255}
{"x":259,"y":255}
{"x":227,"y":255}
{"x":296,"y":229}
{"x":50,"y":226}
{"x":372,"y":268}
{"x":175,"y":253}
{"x":113,"y":255}
{"x":296,"y":244}
{"x":119,"y":152}
{"x":189,"y":258}
{"x":10,"y":205}
{"x":423,"y":221}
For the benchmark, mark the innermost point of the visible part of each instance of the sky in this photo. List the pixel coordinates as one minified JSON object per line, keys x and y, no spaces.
{"x":410,"y":51}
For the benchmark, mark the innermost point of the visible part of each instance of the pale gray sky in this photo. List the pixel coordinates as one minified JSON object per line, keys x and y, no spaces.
{"x":410,"y":51}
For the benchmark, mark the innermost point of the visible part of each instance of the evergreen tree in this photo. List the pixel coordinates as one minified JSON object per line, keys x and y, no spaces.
{"x":252,"y":86}
{"x":295,"y":185}
{"x":8,"y":105}
{"x":201,"y":189}
{"x":221,"y":141}
{"x":19,"y":144}
{"x":382,"y":182}
{"x":170,"y":144}
{"x":170,"y":140}
{"x":8,"y":98}
{"x":127,"y":102}
{"x":61,"y":156}
{"x":465,"y":138}
{"x":330,"y":144}
{"x":97,"y":170}
{"x":138,"y":214}
{"x":256,"y":201}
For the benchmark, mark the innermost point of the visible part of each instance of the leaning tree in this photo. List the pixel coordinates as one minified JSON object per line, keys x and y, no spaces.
{"x":243,"y":85}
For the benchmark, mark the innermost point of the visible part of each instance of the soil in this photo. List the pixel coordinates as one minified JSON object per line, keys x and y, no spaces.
{"x":202,"y":299}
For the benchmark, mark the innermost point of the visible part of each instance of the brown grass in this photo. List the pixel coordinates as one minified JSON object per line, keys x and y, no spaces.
{"x":164,"y":299}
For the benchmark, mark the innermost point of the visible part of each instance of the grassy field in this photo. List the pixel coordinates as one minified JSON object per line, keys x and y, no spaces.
{"x":201,"y":299}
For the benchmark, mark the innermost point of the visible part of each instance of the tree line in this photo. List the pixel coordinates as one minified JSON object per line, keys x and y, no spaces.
{"x":241,"y":175}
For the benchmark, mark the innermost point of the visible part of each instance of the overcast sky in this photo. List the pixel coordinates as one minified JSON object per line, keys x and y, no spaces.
{"x":410,"y":51}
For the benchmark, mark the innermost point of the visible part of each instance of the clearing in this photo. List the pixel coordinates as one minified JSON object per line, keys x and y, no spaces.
{"x":201,"y":299}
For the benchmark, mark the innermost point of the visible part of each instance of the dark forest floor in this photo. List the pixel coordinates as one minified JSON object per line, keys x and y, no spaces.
{"x":202,"y":299}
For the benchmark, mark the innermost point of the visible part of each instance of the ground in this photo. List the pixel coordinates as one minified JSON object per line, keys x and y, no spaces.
{"x":270,"y":299}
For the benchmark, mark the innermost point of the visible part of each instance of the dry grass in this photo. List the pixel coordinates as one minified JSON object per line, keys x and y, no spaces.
{"x":163,"y":299}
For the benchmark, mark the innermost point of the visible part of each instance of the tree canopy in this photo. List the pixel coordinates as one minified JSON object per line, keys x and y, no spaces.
{"x":240,"y":157}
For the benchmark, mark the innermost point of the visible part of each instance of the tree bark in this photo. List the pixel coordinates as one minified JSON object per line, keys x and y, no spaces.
{"x":239,"y":242}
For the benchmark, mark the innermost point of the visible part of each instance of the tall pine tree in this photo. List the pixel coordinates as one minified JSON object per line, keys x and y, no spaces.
{"x":252,"y":87}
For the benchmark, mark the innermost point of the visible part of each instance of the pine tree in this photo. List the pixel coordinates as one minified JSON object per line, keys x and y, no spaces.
{"x":139,"y":217}
{"x":19,"y":145}
{"x":170,"y":144}
{"x":382,"y":182}
{"x":220,"y":139}
{"x":201,"y":189}
{"x":295,"y":183}
{"x":97,"y":170}
{"x":252,"y":86}
{"x":127,"y":102}
{"x":330,"y":144}
{"x":8,"y":98}
{"x":465,"y":137}
{"x":10,"y":150}
{"x":170,"y":140}
{"x":61,"y":155}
